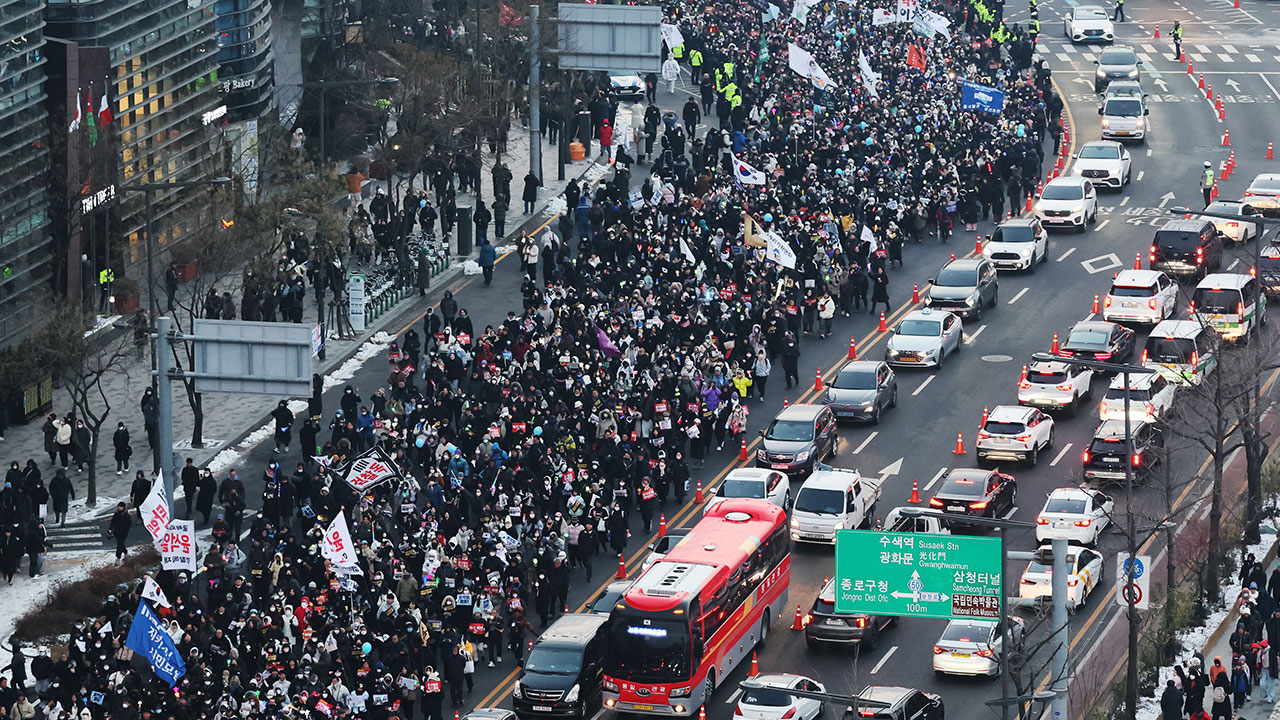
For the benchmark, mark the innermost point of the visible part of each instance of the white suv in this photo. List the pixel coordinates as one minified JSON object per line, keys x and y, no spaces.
{"x":1140,"y":296}
{"x":1055,"y":384}
{"x":1014,"y":432}
{"x":1067,"y":202}
{"x":1150,"y":397}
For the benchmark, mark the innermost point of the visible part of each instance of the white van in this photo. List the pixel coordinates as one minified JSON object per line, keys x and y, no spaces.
{"x":1231,"y":303}
{"x":1183,"y":351}
{"x":832,"y":499}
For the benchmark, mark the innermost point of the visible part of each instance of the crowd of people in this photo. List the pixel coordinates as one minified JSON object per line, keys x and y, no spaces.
{"x":530,"y":450}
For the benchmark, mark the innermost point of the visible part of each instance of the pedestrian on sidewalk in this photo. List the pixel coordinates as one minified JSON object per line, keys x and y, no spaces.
{"x":284,"y":425}
{"x":501,"y":175}
{"x":61,"y":492}
{"x":1171,"y":701}
{"x":81,"y":444}
{"x":139,"y":491}
{"x":500,"y":207}
{"x":530,"y":195}
{"x":123,"y":450}
{"x":37,"y":540}
{"x":150,"y":407}
{"x":482,"y":218}
{"x":204,"y":498}
{"x":119,"y":529}
{"x":190,"y":483}
{"x":11,"y":552}
{"x":62,"y":440}
{"x":487,"y":257}
{"x":50,"y":431}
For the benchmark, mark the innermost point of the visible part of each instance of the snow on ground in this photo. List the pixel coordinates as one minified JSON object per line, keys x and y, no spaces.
{"x":26,"y":593}
{"x":1194,"y":640}
{"x":555,"y":207}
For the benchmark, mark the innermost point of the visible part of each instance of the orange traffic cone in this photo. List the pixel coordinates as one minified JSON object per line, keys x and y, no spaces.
{"x":662,"y":524}
{"x":953,"y":256}
{"x":1231,"y":161}
{"x":785,"y":402}
{"x":959,"y":444}
{"x":853,"y":350}
{"x":1191,"y":68}
{"x":985,"y":414}
{"x":622,"y":567}
{"x":1137,"y":261}
{"x":1024,"y":373}
{"x":697,"y":494}
{"x":799,"y":623}
{"x":1028,"y":207}
{"x":755,"y":665}
{"x":977,"y":246}
{"x":817,"y":379}
{"x":1201,"y":84}
{"x":883,"y":327}
{"x":915,"y":493}
{"x":702,"y":713}
{"x":1053,"y":347}
{"x":1096,"y":308}
{"x":915,"y":293}
{"x":1237,"y":5}
{"x":1270,"y":152}
{"x":1213,"y":195}
{"x":1157,"y":35}
{"x":1208,"y":91}
{"x":742,"y":451}
{"x":1222,"y":109}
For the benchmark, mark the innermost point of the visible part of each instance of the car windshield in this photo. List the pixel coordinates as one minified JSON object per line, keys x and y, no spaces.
{"x":920,"y":328}
{"x":1117,"y":56}
{"x":790,"y":431}
{"x":1003,"y":428}
{"x":966,"y":632}
{"x":1063,"y":191}
{"x":1132,"y":291}
{"x":1090,"y":14}
{"x":1100,"y":152}
{"x":652,"y":650}
{"x":1088,"y":338}
{"x":740,"y":488}
{"x":554,"y":660}
{"x":820,"y":501}
{"x":957,"y":277}
{"x":1123,"y":107}
{"x":766,"y":697}
{"x":856,"y":380}
{"x":1065,"y":505}
{"x":605,"y":602}
{"x":1013,"y":234}
{"x":1270,"y":183}
{"x":1135,"y":395}
{"x":1170,"y":350}
{"x":1216,"y":301}
{"x":962,"y":487}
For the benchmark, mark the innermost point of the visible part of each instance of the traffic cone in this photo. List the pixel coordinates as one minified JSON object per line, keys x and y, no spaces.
{"x":883,"y":327}
{"x":1237,"y":5}
{"x":1201,"y":85}
{"x":853,"y":350}
{"x":1157,"y":35}
{"x":755,"y":664}
{"x":977,"y":246}
{"x":1096,"y":308}
{"x":915,"y":493}
{"x":1057,"y":165}
{"x":702,"y":713}
{"x":1053,"y":347}
{"x":1208,"y":91}
{"x":785,"y":402}
{"x":1213,"y":195}
{"x":1231,"y":161}
{"x":662,"y":524}
{"x":1271,"y":154}
{"x":1190,"y":68}
{"x":1028,"y":207}
{"x":915,"y":294}
{"x":1182,"y":55}
{"x":959,"y":444}
{"x":742,"y":451}
{"x":817,"y":379}
{"x":799,"y":623}
{"x":1137,"y":261}
{"x":1024,"y":373}
{"x":1226,"y":137}
{"x":697,"y":494}
{"x":1224,"y":170}
{"x":622,"y":568}
{"x":1222,"y":110}
{"x":985,"y":414}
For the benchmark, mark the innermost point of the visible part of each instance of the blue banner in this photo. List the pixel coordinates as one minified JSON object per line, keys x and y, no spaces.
{"x":980,"y":97}
{"x":148,"y":638}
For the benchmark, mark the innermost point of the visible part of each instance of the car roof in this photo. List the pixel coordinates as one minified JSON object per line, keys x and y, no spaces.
{"x":1049,"y":366}
{"x":574,"y":628}
{"x":963,"y":263}
{"x":1071,"y":493}
{"x":1267,"y":178}
{"x":1018,"y":222}
{"x":749,"y":474}
{"x":1177,"y":329}
{"x":1123,"y":48}
{"x":1094,"y":8}
{"x":863,"y":365}
{"x":1115,"y":428}
{"x":889,"y":695}
{"x":1095,"y":325}
{"x":834,"y":479}
{"x":779,"y":680}
{"x":1067,"y":180}
{"x":926,"y":314}
{"x":1137,"y":381}
{"x":967,"y":474}
{"x":800,"y":411}
{"x":1224,"y":281}
{"x":1184,"y":225}
{"x":1136,"y":278}
{"x":1005,"y":413}
{"x":1102,"y":143}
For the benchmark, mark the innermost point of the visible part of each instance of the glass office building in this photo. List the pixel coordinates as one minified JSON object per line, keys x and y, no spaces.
{"x":26,"y":249}
{"x":246,"y":73}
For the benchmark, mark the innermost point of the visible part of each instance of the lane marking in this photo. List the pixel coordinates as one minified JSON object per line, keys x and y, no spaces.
{"x":1101,"y":225}
{"x":974,"y":335}
{"x":1088,"y":317}
{"x":923,"y":385}
{"x":1141,"y":174}
{"x":1125,"y":200}
{"x":734,"y":697}
{"x":1018,"y":297}
{"x":1251,"y":58}
{"x":1148,"y":155}
{"x":888,"y":654}
{"x":867,"y":442}
{"x":937,"y":476}
{"x":1061,"y":453}
{"x":1065,"y":255}
{"x":1233,"y":264}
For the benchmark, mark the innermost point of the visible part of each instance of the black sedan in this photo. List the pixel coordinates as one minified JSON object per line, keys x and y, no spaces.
{"x":981,"y":493}
{"x":1099,"y":340}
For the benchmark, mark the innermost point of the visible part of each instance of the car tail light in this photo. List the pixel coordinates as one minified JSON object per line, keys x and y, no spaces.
{"x":737,"y":711}
{"x":937,"y":650}
{"x":1024,"y":383}
{"x":1199,"y":256}
{"x":1195,"y":360}
{"x":860,"y":622}
{"x":1240,"y":309}
{"x":1102,"y":356}
{"x":790,"y":713}
{"x":1102,"y":407}
{"x":1086,"y":456}
{"x":1022,"y":438}
{"x":1253,"y":271}
{"x":935,"y":502}
{"x":1137,"y":459}
{"x":866,"y":713}
{"x":1249,"y":194}
{"x":1107,"y":302}
{"x":1144,"y":356}
{"x":1072,"y":582}
{"x":808,"y":618}
{"x":1193,"y":307}
{"x":1233,"y":224}
{"x":980,"y":505}
{"x":1153,"y":253}
{"x":1151,"y":410}
{"x":1042,"y":521}
{"x":984,"y":653}
{"x":1084,"y":523}
{"x":1151,"y":303}
{"x":1028,"y":582}
{"x":983,"y":435}
{"x":1064,"y":387}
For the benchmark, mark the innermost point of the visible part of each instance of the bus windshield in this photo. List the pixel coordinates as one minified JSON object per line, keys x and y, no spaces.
{"x":648,"y":650}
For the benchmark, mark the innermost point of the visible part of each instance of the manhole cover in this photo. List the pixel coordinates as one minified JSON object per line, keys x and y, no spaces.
{"x":996,"y":358}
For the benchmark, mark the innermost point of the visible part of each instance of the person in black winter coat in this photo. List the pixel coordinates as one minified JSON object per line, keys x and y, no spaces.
{"x":119,"y":529}
{"x":190,"y":483}
{"x":204,"y":500}
{"x":1171,"y":701}
{"x":139,"y":490}
{"x":284,"y":425}
{"x":81,"y":444}
{"x":39,"y":495}
{"x":11,"y":552}
{"x":123,"y":450}
{"x":37,"y":538}
{"x":61,"y":492}
{"x":791,"y":360}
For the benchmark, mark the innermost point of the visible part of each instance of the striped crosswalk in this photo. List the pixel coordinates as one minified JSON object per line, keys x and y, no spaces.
{"x":1266,"y":56}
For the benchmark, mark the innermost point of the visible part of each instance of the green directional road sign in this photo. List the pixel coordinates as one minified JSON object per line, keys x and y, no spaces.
{"x":917,"y":574}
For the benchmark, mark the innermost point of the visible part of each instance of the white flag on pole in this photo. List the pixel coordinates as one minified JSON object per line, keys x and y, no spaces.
{"x":746,"y":174}
{"x":337,"y":547}
{"x":880,"y":16}
{"x":779,"y":250}
{"x":870,"y":237}
{"x":151,"y":591}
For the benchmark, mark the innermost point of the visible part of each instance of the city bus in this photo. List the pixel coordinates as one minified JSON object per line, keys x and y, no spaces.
{"x":699,"y":611}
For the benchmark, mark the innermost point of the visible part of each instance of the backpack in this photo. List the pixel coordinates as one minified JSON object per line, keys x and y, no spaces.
{"x":1219,"y":694}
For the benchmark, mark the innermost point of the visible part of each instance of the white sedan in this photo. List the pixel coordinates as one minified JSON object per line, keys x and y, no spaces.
{"x":1105,"y":163}
{"x":1067,"y":202}
{"x":1084,"y":571}
{"x":972,"y":647}
{"x":1089,"y":23}
{"x":1077,"y":514}
{"x":768,"y":699}
{"x":758,"y":483}
{"x":1235,"y":230}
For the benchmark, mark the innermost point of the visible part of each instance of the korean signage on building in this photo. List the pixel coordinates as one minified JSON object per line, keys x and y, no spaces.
{"x":917,"y":575}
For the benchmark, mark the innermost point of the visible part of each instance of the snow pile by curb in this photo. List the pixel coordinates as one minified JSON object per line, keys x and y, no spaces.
{"x":30,"y":593}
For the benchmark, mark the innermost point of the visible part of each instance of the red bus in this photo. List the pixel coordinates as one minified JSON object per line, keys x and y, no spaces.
{"x":695,"y":614}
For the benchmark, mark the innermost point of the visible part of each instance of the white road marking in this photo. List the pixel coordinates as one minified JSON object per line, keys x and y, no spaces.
{"x":1144,"y":57}
{"x":1101,"y":225}
{"x":1266,"y":80}
{"x":936,"y":478}
{"x":1201,"y":48}
{"x":1148,"y":155}
{"x":1207,"y":509}
{"x":1088,"y":317}
{"x":1148,"y":48}
{"x":1066,"y":254}
{"x":1061,"y":453}
{"x":1233,"y":264}
{"x":1228,"y":48}
{"x":888,"y":654}
{"x":734,"y":697}
{"x":923,"y":385}
{"x":1197,"y":57}
{"x":1226,"y":58}
{"x":974,"y":335}
{"x":1124,"y":200}
{"x":1018,"y":297}
{"x":1251,"y":57}
{"x":1141,"y":173}
{"x":867,"y":442}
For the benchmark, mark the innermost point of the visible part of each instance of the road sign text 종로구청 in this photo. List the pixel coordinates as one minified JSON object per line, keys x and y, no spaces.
{"x":917,"y":575}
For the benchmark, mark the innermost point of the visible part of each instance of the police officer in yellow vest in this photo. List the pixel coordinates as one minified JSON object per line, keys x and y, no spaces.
{"x":728,"y":71}
{"x":678,"y":52}
{"x":695,"y":62}
{"x":1033,"y":29}
{"x":1206,"y":183}
{"x":106,"y":279}
{"x":719,"y":80}
{"x":1177,"y":40}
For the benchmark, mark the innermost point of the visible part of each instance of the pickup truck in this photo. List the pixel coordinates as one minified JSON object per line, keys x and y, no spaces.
{"x":833,"y":499}
{"x":897,"y":521}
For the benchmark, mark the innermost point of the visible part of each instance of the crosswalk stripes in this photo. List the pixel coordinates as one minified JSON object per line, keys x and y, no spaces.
{"x":1196,"y":57}
{"x":1251,"y":57}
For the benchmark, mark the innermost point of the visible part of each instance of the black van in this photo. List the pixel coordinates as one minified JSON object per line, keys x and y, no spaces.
{"x":562,"y":674}
{"x":1186,"y":248}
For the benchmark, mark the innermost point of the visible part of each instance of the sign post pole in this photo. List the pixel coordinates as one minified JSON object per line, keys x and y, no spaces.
{"x":164,"y":393}
{"x":1058,"y":706}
